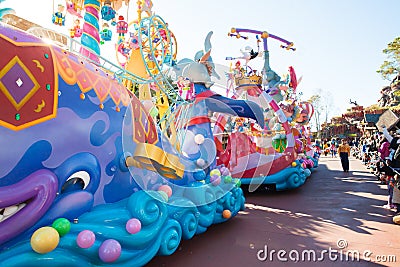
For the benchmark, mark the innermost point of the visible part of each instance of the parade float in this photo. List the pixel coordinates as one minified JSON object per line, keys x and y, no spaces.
{"x":93,"y":167}
{"x":280,"y":154}
{"x":114,"y":162}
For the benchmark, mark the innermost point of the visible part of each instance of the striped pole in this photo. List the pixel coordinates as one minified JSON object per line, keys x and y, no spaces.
{"x":90,"y":38}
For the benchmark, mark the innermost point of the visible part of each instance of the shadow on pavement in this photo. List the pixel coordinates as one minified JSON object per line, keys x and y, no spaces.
{"x":333,"y":211}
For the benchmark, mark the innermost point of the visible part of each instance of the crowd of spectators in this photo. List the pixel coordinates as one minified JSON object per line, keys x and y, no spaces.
{"x":380,"y":152}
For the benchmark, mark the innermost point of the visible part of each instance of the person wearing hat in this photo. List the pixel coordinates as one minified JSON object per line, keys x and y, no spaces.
{"x":344,"y":152}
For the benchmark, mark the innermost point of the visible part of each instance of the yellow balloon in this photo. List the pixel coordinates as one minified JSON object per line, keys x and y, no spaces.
{"x":294,"y":164}
{"x":44,"y":240}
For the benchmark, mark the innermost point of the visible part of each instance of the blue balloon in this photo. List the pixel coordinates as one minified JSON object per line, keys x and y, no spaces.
{"x":199,"y":175}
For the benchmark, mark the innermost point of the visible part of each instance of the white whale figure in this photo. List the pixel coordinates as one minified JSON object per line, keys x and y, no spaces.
{"x":199,"y":72}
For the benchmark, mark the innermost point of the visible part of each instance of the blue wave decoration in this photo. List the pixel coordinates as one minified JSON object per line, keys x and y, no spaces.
{"x":286,"y":179}
{"x":163,"y":226}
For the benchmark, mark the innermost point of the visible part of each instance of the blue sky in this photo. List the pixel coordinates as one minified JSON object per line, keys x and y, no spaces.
{"x":339,"y":43}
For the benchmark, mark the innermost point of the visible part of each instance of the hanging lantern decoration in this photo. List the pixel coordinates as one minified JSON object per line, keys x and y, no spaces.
{"x":59,"y":16}
{"x":76,"y":30}
{"x":74,"y":7}
{"x":106,"y":33}
{"x":107,"y":12}
{"x":122,"y":29}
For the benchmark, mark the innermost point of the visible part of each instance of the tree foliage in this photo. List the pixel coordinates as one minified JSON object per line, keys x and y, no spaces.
{"x":391,"y":67}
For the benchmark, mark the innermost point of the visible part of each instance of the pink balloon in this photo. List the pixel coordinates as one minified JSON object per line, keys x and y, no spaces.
{"x":215,"y":179}
{"x":166,"y":188}
{"x":133,"y":226}
{"x":85,"y":239}
{"x":110,"y":250}
{"x":225,"y":171}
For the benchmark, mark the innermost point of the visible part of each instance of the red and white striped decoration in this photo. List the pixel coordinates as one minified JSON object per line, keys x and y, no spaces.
{"x":257,"y":164}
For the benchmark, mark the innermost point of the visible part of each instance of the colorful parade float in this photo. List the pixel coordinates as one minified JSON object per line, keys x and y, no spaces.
{"x":280,"y":154}
{"x":114,"y":162}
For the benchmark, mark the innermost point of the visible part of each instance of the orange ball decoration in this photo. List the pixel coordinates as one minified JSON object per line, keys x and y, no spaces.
{"x":226,"y":214}
{"x":264,"y":35}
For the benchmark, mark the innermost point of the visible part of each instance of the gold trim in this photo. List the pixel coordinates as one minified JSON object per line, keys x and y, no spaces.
{"x":153,"y":158}
{"x":5,"y":90}
{"x":55,"y":90}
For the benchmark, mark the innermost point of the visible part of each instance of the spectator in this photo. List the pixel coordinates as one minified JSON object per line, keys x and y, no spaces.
{"x":333,"y":149}
{"x":364,"y":152}
{"x":384,"y":148}
{"x":326,"y":149}
{"x":394,"y":163}
{"x":344,"y":153}
{"x":396,"y":194}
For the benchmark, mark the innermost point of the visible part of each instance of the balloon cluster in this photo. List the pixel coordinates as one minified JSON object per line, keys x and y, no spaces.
{"x":307,"y":162}
{"x":223,"y":174}
{"x":110,"y":249}
{"x":215,"y":177}
{"x":46,"y":239}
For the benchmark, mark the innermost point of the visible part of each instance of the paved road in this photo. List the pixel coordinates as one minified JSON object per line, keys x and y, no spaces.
{"x":331,"y":209}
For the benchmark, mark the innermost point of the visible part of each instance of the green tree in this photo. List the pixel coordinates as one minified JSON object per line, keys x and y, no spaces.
{"x":391,"y":67}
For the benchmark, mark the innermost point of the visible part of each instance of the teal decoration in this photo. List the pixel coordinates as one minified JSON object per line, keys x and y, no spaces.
{"x":163,"y":226}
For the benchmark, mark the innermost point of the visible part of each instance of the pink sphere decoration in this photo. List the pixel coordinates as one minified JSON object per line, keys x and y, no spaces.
{"x":201,"y":162}
{"x":133,"y":226}
{"x":215,"y":179}
{"x":225,"y":171}
{"x":85,"y":239}
{"x":110,"y":250}
{"x":167,"y":189}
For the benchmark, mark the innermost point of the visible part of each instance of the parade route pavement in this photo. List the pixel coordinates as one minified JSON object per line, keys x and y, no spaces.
{"x":334,"y":219}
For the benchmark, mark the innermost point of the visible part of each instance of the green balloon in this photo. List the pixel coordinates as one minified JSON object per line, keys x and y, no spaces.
{"x":62,"y":226}
{"x":228,"y":179}
{"x":153,"y":112}
{"x":238,"y":182}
